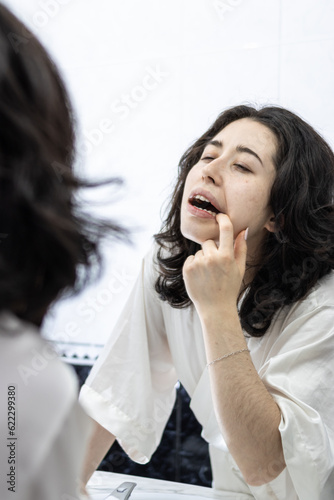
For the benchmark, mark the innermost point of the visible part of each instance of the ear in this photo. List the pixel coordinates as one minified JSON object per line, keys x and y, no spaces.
{"x":271,"y":224}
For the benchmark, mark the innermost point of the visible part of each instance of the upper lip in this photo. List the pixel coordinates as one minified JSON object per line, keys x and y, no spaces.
{"x":209,"y":196}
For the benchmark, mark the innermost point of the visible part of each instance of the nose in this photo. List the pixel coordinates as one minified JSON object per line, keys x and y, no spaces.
{"x":212,"y":171}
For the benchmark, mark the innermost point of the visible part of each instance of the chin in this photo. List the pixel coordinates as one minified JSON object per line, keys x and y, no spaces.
{"x":199,"y":237}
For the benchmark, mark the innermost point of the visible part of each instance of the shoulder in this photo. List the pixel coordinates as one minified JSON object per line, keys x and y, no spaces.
{"x":46,"y":389}
{"x":310,"y":319}
{"x":320,"y":297}
{"x":304,"y":329}
{"x":32,"y":361}
{"x":323,"y":292}
{"x":150,"y":267}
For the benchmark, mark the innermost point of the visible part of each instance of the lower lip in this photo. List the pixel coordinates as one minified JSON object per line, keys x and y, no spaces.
{"x":197,"y":212}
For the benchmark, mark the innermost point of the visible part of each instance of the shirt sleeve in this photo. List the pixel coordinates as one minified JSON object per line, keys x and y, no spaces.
{"x":299,"y":374}
{"x":131,"y":388}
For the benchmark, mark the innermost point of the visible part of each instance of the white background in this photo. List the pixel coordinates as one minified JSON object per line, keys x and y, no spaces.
{"x":147,"y":77}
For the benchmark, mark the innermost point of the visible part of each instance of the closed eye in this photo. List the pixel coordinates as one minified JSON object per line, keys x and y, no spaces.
{"x":207,"y":158}
{"x":243,"y":168}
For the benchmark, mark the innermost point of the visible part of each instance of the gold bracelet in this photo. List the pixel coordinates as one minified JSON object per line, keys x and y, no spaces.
{"x":227,"y":356}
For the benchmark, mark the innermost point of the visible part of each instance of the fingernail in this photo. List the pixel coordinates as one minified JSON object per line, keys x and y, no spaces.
{"x":246,"y":234}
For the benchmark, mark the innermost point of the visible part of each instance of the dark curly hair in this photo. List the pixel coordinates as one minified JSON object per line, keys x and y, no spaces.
{"x":47,"y":244}
{"x":300,"y":251}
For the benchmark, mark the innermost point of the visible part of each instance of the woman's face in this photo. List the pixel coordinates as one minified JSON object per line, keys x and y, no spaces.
{"x":234,"y":176}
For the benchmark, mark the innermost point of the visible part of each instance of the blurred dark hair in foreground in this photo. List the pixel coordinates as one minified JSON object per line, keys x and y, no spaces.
{"x":48,"y":244}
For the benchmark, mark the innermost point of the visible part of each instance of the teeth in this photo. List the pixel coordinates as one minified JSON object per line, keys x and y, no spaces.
{"x":209,"y":211}
{"x":202,"y":198}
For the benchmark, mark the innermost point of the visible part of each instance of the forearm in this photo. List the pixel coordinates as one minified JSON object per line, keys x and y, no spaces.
{"x":100,"y":442}
{"x":247,"y":414}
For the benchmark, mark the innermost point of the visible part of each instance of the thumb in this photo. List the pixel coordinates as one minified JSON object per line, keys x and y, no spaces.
{"x":240,"y":250}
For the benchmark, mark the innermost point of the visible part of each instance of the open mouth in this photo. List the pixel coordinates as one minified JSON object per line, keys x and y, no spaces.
{"x":203,"y":203}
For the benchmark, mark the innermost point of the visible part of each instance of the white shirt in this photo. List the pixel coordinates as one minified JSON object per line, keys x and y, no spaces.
{"x":42,"y":457}
{"x":130,"y":390}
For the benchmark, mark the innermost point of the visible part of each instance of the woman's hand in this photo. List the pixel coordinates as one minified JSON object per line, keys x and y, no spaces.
{"x":213,"y":276}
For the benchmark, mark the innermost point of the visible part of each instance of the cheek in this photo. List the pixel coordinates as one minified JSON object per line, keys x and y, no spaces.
{"x":248,"y":207}
{"x":192,"y":176}
{"x":190,"y":179}
{"x":256,"y":197}
{"x":185,"y":196}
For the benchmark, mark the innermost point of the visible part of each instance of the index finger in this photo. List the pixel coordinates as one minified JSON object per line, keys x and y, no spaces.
{"x":225,"y":232}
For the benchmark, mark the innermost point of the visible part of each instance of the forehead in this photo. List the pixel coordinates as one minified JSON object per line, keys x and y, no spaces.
{"x":250,"y":133}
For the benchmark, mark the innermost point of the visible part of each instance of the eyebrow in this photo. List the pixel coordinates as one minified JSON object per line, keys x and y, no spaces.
{"x":240,"y":149}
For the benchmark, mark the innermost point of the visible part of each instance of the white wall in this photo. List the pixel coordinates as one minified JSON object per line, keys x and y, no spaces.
{"x":148,"y":77}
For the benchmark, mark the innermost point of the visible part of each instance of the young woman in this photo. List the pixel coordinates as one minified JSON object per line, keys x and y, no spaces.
{"x":47,"y":246}
{"x":236,"y":300}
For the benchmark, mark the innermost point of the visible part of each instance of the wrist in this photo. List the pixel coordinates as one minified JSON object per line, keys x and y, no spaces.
{"x":222,"y":333}
{"x":222,"y":317}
